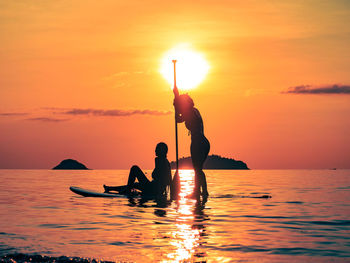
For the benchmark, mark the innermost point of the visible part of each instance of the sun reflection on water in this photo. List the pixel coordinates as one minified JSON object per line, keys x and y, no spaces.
{"x":186,"y":237}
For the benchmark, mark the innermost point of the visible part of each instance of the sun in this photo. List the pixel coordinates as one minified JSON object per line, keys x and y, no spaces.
{"x":191,"y":67}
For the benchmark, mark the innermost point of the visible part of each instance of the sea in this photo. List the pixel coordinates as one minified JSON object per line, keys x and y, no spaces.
{"x":250,"y":216}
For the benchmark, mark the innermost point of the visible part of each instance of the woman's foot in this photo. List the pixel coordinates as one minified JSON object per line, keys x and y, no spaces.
{"x":194,"y":195}
{"x":106,"y":188}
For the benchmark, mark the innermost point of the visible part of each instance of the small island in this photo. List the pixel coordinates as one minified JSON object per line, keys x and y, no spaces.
{"x":70,"y":164}
{"x":214,"y":162}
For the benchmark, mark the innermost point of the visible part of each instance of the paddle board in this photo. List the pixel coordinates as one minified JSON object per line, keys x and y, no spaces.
{"x":90,"y":193}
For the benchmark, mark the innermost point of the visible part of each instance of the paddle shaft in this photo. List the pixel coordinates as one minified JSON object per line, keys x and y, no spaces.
{"x":176,"y":137}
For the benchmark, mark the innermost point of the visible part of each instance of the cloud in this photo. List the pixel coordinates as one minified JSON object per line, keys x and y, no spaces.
{"x":55,"y":115}
{"x":46,"y":119}
{"x":328,"y":89}
{"x":12,"y":114}
{"x":115,"y":113}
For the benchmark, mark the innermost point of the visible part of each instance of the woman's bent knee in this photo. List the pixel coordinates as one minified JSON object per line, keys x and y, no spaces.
{"x":135,"y":167}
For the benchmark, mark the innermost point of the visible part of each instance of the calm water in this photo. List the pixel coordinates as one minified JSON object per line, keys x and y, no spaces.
{"x":306,"y":220}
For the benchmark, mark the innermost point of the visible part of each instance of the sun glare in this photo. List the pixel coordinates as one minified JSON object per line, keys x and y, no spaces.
{"x":191,"y":67}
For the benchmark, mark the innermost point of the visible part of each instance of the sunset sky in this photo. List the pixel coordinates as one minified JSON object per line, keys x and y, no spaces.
{"x":80,"y":79}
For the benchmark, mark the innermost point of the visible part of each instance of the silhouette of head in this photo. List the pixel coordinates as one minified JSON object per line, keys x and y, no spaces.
{"x":185,"y":103}
{"x":161,"y":149}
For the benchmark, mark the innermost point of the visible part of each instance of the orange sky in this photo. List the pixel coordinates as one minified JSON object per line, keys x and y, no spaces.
{"x":56,"y":56}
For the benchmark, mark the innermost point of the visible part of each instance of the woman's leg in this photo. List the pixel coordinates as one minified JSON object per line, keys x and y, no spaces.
{"x":199,"y":153}
{"x":135,"y":173}
{"x":203,"y":182}
{"x":206,"y":149}
{"x":200,"y":182}
{"x":120,"y":188}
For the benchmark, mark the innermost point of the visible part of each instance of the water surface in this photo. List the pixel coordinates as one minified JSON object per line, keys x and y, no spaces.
{"x":306,"y":220}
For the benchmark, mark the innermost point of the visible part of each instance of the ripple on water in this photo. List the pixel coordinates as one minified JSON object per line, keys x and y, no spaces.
{"x":22,"y":258}
{"x":13,"y":236}
{"x":331,"y":223}
{"x":53,"y":226}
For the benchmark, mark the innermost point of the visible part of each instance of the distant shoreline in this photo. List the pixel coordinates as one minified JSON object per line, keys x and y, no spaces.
{"x":70,"y":164}
{"x":213,"y":162}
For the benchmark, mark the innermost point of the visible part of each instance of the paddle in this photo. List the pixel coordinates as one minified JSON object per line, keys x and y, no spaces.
{"x":176,"y":94}
{"x":175,"y":185}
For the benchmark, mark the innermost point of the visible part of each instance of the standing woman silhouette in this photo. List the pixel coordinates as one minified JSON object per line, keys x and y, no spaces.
{"x":200,"y":146}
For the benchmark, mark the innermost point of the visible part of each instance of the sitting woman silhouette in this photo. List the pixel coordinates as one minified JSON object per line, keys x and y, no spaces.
{"x":200,"y":146}
{"x":161,"y":176}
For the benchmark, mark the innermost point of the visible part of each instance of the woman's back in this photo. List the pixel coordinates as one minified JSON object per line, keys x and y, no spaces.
{"x":194,"y":123}
{"x":161,"y":174}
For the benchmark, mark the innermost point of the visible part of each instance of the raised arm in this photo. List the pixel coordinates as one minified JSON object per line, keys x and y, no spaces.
{"x":178,"y":116}
{"x":176,"y":92}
